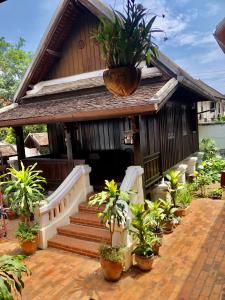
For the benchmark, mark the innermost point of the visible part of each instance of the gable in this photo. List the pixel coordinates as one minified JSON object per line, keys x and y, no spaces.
{"x":80,"y":53}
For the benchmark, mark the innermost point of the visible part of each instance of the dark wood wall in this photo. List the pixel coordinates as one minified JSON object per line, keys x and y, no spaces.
{"x":80,"y":53}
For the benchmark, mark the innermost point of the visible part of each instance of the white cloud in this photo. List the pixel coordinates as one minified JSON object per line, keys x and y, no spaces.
{"x":193,"y":39}
{"x":214,"y":55}
{"x":212,"y":9}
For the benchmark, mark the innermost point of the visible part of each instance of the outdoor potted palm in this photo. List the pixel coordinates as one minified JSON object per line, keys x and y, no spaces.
{"x":113,"y":203}
{"x":144,"y":254}
{"x":183,"y":200}
{"x":126,"y":40}
{"x":11,"y":281}
{"x":25,"y":193}
{"x":169,"y":220}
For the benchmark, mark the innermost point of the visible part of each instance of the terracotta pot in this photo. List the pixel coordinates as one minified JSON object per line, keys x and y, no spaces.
{"x":181,"y":211}
{"x":111,"y":270}
{"x":29,"y":247}
{"x":168,"y":226}
{"x":11,"y":214}
{"x":122,"y":81}
{"x":155,"y":248}
{"x":144,"y":263}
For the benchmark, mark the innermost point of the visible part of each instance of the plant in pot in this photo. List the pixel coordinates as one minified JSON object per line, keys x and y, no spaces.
{"x":11,"y":271}
{"x":183,"y":200}
{"x":27,"y":235}
{"x":25,"y":193}
{"x":174,"y":185}
{"x":139,"y":228}
{"x":156,"y":217}
{"x":113,"y":203}
{"x":126,"y":40}
{"x":169,"y":220}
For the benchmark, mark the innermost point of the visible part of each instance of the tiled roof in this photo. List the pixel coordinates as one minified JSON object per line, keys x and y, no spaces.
{"x":41,"y":138}
{"x":96,"y":105}
{"x":7,"y":150}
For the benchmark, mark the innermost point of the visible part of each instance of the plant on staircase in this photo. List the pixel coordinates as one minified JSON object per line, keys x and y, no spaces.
{"x":11,"y":271}
{"x":126,"y":40}
{"x":114,"y":214}
{"x":25,"y":193}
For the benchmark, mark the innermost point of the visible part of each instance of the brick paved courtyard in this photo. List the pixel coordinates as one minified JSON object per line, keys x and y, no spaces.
{"x":191,"y":266}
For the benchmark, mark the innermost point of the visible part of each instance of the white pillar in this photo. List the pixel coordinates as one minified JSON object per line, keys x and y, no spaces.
{"x":182,"y":169}
{"x":191,"y":163}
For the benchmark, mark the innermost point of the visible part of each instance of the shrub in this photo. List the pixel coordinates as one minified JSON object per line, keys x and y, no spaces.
{"x":184,"y":196}
{"x":216,"y":193}
{"x":200,"y":183}
{"x":208,"y":146}
{"x":113,"y":254}
{"x":27,"y":232}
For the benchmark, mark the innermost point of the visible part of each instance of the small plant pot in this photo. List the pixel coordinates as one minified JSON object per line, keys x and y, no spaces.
{"x":181,"y":211}
{"x":29,"y":247}
{"x":168,"y":226}
{"x":156,"y":248}
{"x":122,"y":81}
{"x":144,"y":263}
{"x":112,"y":271}
{"x":12,"y":215}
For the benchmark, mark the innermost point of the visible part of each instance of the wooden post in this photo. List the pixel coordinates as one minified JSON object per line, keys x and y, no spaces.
{"x":69,"y":148}
{"x":20,"y":143}
{"x":137,"y":148}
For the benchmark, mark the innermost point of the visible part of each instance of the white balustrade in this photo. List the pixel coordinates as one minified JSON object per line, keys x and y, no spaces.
{"x":63,"y":203}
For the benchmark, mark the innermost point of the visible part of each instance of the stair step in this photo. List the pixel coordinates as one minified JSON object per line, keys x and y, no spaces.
{"x":86,"y":218}
{"x":78,"y":246}
{"x":85,"y":207}
{"x":85,"y":232}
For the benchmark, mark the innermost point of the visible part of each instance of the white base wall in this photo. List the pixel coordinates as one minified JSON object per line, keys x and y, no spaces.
{"x":215,"y":131}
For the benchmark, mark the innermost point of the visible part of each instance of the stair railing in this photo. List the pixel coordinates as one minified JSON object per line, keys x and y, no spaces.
{"x":63,"y":203}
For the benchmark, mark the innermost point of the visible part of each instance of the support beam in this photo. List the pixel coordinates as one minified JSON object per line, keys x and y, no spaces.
{"x":68,"y":141}
{"x":20,"y":143}
{"x":137,"y":149}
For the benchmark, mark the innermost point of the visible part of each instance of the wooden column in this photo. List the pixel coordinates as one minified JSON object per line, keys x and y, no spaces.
{"x":68,"y":141}
{"x":137,"y":146}
{"x":20,"y":143}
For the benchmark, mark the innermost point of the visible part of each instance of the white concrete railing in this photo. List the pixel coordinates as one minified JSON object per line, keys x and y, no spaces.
{"x":132,"y":181}
{"x":63,"y":203}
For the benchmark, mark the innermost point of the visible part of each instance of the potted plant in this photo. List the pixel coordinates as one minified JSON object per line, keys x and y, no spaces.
{"x":25,"y":192}
{"x":144,"y":254}
{"x":114,"y":203}
{"x":169,"y":220}
{"x":11,"y":281}
{"x":27,"y":234}
{"x":183,"y":200}
{"x":126,"y":40}
{"x":156,"y":217}
{"x":173,"y":176}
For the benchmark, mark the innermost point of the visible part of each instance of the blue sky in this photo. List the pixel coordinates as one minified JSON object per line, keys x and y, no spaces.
{"x":189,"y":25}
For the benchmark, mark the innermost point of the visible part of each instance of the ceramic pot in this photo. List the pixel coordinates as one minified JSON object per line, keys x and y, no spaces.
{"x":122,"y":81}
{"x":156,"y":248}
{"x":168,"y":226}
{"x":29,"y":247}
{"x":112,"y":271}
{"x":144,"y":263}
{"x":181,"y":211}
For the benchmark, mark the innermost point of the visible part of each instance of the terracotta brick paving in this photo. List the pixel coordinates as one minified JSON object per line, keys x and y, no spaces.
{"x":191,"y":266}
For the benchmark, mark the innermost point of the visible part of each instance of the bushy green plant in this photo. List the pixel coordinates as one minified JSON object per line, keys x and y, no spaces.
{"x":213,"y":167}
{"x":208,"y":146}
{"x":24,"y":192}
{"x":168,"y":210}
{"x":11,"y":270}
{"x":113,"y":254}
{"x":155,"y":216}
{"x":27,"y":232}
{"x":184,"y":196}
{"x":200,"y":183}
{"x":216,"y":193}
{"x":173,"y":176}
{"x":126,"y":40}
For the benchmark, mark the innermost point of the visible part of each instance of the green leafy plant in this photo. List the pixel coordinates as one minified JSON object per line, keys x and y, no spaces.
{"x":140,"y":230}
{"x":216,"y":193}
{"x":200,"y":183}
{"x":11,"y":271}
{"x":113,"y":254}
{"x":208,"y":146}
{"x":173,"y":176}
{"x":27,"y":232}
{"x":113,"y":201}
{"x":24,"y":192}
{"x":184,"y":196}
{"x":213,"y":167}
{"x":126,"y":40}
{"x":168,"y":210}
{"x":155,"y":216}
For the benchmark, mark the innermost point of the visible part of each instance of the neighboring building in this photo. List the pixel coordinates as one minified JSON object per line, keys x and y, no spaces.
{"x":220,"y":34}
{"x":63,"y":88}
{"x":38,"y":141}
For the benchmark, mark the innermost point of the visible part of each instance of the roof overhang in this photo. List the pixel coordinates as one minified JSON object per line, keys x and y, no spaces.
{"x":219,"y":34}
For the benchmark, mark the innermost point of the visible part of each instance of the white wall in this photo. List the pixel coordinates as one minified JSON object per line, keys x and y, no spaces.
{"x":215,"y":131}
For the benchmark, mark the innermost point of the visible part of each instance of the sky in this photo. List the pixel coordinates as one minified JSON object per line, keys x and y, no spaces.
{"x":188,"y":25}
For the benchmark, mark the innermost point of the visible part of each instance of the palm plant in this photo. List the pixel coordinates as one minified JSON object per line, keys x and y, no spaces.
{"x":155,"y":217}
{"x":11,"y":271}
{"x":168,"y":210}
{"x":126,"y":40}
{"x":24,"y":192}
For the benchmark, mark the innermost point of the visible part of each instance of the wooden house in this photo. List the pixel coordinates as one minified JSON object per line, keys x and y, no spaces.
{"x":37,"y":140}
{"x":156,"y":127}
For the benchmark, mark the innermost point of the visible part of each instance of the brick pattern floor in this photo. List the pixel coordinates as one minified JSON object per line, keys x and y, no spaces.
{"x":191,"y":266}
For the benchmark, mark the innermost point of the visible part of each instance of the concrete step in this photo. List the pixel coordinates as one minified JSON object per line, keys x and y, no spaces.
{"x":78,"y":246}
{"x":85,"y":207}
{"x":88,"y":233}
{"x":87,"y":219}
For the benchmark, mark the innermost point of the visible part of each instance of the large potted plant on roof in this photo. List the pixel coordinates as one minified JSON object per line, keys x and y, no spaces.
{"x":25,"y":193}
{"x":113,"y":203}
{"x":126,"y":41}
{"x":11,"y":270}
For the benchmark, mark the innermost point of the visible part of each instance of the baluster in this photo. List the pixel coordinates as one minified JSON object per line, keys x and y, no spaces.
{"x":57,"y":210}
{"x":62,"y":205}
{"x":51,"y":214}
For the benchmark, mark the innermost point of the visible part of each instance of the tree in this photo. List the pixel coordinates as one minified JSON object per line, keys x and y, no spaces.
{"x":13,"y":64}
